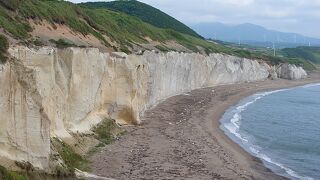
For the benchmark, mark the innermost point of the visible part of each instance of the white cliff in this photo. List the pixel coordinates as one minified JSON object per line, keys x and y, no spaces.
{"x":291,"y":72}
{"x":49,"y":92}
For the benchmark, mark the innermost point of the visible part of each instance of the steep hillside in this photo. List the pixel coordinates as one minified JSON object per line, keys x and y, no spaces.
{"x":308,"y":53}
{"x":146,"y":13}
{"x":267,"y":54}
{"x":64,"y":24}
{"x":60,"y":104}
{"x":48,"y":21}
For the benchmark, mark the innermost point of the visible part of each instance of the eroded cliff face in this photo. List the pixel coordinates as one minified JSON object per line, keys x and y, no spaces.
{"x":24,"y":126}
{"x":291,"y":72}
{"x":50,"y":92}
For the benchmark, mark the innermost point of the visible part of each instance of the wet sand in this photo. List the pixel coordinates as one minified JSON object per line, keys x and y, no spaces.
{"x":180,"y":138}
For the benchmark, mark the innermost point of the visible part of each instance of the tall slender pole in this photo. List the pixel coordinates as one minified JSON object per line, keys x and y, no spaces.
{"x":274,"y":49}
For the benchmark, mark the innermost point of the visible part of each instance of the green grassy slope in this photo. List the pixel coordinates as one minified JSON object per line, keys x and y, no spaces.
{"x":11,"y":22}
{"x":124,"y":29}
{"x":121,"y":28}
{"x":308,"y":53}
{"x":146,"y":13}
{"x":282,"y":55}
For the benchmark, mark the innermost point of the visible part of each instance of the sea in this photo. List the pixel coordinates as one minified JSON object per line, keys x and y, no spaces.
{"x":280,"y":127}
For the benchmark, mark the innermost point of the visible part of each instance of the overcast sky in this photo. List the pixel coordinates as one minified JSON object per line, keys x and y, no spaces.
{"x":301,"y":16}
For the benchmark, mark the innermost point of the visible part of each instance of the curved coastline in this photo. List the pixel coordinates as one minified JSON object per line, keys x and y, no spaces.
{"x":231,"y":122}
{"x":181,"y":138}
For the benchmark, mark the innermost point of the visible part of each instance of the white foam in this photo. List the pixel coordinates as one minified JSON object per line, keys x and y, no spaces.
{"x":233,"y":126}
{"x":311,"y":85}
{"x":81,"y":174}
{"x":266,"y":158}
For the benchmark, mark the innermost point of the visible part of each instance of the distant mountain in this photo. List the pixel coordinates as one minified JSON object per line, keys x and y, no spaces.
{"x":253,"y":35}
{"x":146,"y":13}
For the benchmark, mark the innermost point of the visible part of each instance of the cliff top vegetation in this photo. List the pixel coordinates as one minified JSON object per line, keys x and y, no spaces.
{"x":116,"y":26}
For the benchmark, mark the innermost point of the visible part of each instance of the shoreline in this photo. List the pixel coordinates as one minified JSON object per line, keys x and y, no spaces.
{"x":181,"y":138}
{"x":259,"y":167}
{"x":227,"y":125}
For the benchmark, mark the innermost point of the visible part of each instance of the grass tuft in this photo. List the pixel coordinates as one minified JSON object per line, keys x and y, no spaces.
{"x":163,"y":48}
{"x":61,"y":43}
{"x":11,"y":4}
{"x":106,"y":131}
{"x":11,"y":175}
{"x":70,"y":157}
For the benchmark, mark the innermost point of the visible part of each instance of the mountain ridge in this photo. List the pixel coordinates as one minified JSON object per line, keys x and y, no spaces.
{"x":62,"y":23}
{"x":146,"y":13}
{"x":253,"y":34}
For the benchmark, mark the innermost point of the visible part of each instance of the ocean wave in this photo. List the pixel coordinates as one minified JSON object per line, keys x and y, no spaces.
{"x":311,"y":85}
{"x":266,"y":158}
{"x":233,"y":126}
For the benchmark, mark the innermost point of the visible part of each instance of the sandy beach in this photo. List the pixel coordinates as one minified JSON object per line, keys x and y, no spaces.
{"x":180,"y":138}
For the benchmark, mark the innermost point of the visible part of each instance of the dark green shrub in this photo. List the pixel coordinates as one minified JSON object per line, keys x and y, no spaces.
{"x":70,"y":157}
{"x":243,"y":53}
{"x":104,"y":130}
{"x":125,"y":50}
{"x":11,"y":175}
{"x":4,"y":45}
{"x":11,"y":4}
{"x":61,"y":43}
{"x":3,"y":58}
{"x":37,"y":42}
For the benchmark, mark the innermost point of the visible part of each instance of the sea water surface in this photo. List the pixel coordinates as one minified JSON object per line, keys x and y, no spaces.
{"x":280,"y":127}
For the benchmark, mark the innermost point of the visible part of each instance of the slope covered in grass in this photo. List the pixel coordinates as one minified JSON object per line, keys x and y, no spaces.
{"x":146,"y":13}
{"x":121,"y":28}
{"x":116,"y":30}
{"x":308,"y":53}
{"x":267,"y":54}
